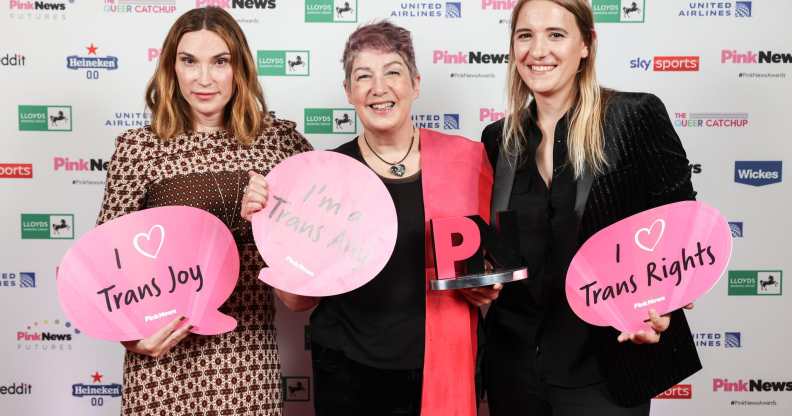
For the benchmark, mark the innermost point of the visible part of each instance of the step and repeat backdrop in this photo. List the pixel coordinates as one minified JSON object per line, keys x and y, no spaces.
{"x":73,"y":75}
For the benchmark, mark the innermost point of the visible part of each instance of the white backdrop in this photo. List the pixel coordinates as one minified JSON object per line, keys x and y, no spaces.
{"x":729,"y":97}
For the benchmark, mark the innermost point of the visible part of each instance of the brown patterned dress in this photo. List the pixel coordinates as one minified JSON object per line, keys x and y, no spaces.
{"x":236,"y":372}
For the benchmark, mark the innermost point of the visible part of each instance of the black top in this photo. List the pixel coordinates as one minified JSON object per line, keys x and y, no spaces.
{"x":647,"y":167}
{"x":381,"y":324}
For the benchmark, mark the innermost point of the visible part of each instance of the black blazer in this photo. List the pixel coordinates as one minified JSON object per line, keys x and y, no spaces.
{"x":647,"y":167}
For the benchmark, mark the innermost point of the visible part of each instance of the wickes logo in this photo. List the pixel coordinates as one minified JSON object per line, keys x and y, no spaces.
{"x":724,"y":385}
{"x":472,"y":57}
{"x":758,"y":173}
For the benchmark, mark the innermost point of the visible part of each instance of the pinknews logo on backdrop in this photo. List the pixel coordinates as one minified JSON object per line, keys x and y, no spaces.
{"x":38,"y":10}
{"x":498,"y":4}
{"x":440,"y":56}
{"x":490,"y":115}
{"x":140,"y":6}
{"x":237,"y":4}
{"x":78,"y":165}
{"x":732,"y":56}
{"x":724,"y":385}
{"x":711,"y":120}
{"x":46,"y":335}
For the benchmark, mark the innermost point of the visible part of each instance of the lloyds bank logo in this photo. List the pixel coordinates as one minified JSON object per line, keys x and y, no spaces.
{"x":331,"y":11}
{"x":330,"y":121}
{"x":45,"y":118}
{"x":755,"y":282}
{"x":619,"y":11}
{"x":283,"y":63}
{"x":47,"y":226}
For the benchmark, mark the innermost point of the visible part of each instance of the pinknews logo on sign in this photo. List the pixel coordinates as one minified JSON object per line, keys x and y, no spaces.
{"x":127,"y":278}
{"x":662,"y":259}
{"x":329,"y":226}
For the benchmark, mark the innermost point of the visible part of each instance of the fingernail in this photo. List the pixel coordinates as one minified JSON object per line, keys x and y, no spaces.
{"x":190,"y":327}
{"x":182,"y":318}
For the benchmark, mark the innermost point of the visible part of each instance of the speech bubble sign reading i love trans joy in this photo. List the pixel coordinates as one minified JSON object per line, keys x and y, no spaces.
{"x":129,"y":277}
{"x":661,"y":259}
{"x":329,"y":225}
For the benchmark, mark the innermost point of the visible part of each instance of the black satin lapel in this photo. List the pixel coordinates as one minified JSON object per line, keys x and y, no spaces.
{"x":502,"y":185}
{"x":583,"y":189}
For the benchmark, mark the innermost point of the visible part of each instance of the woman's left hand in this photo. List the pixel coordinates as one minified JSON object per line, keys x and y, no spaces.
{"x":480,"y":296}
{"x":657,"y":324}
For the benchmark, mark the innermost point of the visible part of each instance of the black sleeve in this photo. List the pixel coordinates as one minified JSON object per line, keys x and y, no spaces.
{"x":666,"y":167}
{"x":491,"y":138}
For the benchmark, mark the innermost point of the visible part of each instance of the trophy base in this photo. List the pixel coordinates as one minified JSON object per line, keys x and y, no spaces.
{"x":478,"y":280}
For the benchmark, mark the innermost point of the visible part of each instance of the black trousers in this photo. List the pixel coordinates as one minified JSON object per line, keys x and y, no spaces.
{"x":348,"y":388}
{"x":515,"y":388}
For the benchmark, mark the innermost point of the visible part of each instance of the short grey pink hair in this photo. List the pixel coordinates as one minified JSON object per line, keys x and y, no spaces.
{"x":381,"y":36}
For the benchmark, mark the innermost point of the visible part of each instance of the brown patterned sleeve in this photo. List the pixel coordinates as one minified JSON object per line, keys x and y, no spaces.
{"x":127,"y":177}
{"x":293,"y":141}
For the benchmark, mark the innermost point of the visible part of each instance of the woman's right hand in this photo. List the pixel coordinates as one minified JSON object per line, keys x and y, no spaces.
{"x":162,"y":341}
{"x":254,"y":199}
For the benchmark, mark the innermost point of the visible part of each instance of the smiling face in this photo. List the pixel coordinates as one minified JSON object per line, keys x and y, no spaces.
{"x":382,"y":91}
{"x":548,"y":48}
{"x":205,"y":76}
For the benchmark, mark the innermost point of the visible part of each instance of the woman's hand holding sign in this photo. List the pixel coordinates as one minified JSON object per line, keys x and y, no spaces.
{"x":162,"y":341}
{"x":254,"y":199}
{"x":658,"y":325}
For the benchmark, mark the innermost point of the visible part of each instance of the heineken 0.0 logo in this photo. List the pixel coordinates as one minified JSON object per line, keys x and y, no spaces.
{"x":47,"y":226}
{"x":45,"y":118}
{"x":283,"y":63}
{"x":619,"y":11}
{"x":330,"y":121}
{"x":331,"y":11}
{"x":755,"y":282}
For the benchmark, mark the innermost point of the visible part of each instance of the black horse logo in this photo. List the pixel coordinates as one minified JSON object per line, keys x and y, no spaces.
{"x":345,"y":119}
{"x":632,"y":9}
{"x":295,"y":388}
{"x":54,"y":120}
{"x":298,"y":61}
{"x":341,"y":10}
{"x":60,"y":226}
{"x":769,"y":282}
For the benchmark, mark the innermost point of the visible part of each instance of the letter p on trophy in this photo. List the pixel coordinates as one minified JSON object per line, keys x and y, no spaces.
{"x":462,"y":244}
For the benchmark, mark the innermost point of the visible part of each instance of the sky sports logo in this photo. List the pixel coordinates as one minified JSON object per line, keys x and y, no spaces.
{"x":679,"y":391}
{"x":667,"y":64}
{"x":724,"y":385}
{"x":758,"y":173}
{"x":16,"y":170}
{"x":471,"y":57}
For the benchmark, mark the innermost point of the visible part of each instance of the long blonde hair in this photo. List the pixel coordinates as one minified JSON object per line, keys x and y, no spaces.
{"x":245,"y":116}
{"x":585,"y":136}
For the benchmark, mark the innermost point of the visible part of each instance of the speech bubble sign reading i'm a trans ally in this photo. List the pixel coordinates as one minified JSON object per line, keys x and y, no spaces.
{"x":329,"y":225}
{"x":129,"y":277}
{"x":663,"y":259}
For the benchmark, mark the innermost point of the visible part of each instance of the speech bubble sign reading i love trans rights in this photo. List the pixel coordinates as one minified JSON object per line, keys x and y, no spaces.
{"x":129,"y":277}
{"x":662,"y":259}
{"x":329,"y":225}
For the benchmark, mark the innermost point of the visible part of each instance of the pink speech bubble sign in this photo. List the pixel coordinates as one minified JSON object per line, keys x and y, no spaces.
{"x":127,"y":278}
{"x":662,"y":259}
{"x":329,"y":225}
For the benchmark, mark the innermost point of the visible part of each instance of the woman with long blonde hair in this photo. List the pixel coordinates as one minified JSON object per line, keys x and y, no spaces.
{"x":572,"y":158}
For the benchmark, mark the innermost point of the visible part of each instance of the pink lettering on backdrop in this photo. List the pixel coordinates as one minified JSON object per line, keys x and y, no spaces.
{"x":661,"y":259}
{"x":329,"y":225}
{"x":127,"y":278}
